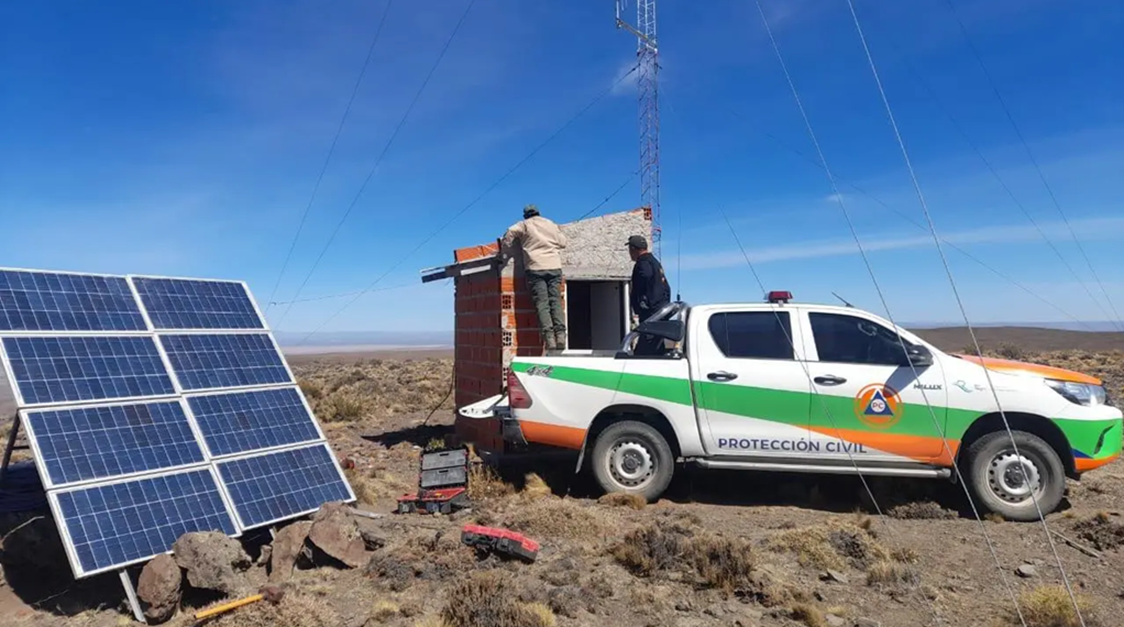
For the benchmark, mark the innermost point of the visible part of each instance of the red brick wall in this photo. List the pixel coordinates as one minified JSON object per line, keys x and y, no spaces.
{"x":495,"y":321}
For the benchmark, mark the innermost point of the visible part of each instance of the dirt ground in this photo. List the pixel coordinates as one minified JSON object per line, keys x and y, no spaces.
{"x":744,"y":549}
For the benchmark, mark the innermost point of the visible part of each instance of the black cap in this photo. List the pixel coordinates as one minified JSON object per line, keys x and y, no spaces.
{"x":638,"y":242}
{"x":530,"y":211}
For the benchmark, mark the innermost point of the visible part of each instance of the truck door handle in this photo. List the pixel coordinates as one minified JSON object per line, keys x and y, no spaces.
{"x":721,"y":375}
{"x":829,"y":380}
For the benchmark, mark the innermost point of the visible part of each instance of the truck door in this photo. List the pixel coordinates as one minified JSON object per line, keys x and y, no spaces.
{"x":752,"y":396}
{"x":868,"y":404}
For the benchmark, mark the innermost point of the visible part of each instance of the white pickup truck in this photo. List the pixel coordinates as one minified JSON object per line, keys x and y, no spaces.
{"x":780,"y":386}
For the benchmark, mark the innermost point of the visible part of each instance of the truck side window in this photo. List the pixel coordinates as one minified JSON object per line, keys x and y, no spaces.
{"x":852,"y":340}
{"x":752,"y":335}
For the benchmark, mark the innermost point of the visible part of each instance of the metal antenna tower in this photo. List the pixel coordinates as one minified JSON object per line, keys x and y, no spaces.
{"x":648,"y":66}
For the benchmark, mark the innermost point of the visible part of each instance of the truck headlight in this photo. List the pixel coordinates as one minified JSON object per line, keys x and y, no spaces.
{"x":1079,"y":393}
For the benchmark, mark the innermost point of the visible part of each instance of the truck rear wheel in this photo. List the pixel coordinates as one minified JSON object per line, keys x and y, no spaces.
{"x":1003,"y":482}
{"x":633,"y":457}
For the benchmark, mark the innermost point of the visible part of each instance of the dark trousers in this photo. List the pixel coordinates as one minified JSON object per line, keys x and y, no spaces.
{"x":546,"y":293}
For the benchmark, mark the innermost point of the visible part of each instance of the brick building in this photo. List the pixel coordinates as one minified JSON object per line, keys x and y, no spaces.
{"x":495,"y":319}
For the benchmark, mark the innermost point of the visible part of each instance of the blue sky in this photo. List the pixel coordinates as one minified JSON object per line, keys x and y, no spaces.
{"x":185,"y":139}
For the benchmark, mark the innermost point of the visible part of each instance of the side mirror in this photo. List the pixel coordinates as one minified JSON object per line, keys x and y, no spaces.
{"x":664,"y":329}
{"x":918,"y":356}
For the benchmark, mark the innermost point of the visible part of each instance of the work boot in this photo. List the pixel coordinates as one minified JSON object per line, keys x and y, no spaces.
{"x":549,"y":340}
{"x":560,"y":339}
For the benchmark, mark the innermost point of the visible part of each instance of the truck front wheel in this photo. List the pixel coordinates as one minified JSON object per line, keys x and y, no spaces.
{"x":633,"y":457}
{"x":1003,"y":482}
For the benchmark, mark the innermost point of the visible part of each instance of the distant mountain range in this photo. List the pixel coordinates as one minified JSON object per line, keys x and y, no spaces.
{"x":445,"y":338}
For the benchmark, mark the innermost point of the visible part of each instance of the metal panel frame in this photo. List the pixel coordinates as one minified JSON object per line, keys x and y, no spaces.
{"x":21,"y":402}
{"x":136,"y":301}
{"x":277,"y":347}
{"x":321,"y":437}
{"x":238,"y":517}
{"x":40,"y":464}
{"x":68,"y":541}
{"x":148,"y":318}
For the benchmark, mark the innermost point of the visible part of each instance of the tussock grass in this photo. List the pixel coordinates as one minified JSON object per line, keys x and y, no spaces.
{"x":1050,"y":606}
{"x":712,"y":561}
{"x":623,"y":499}
{"x":490,"y":599}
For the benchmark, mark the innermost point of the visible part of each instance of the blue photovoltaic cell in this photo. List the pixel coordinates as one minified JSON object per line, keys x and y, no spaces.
{"x":84,"y":443}
{"x":117,"y":524}
{"x":281,"y":485}
{"x":189,"y":304}
{"x":224,"y":361}
{"x":86,"y":368}
{"x":54,"y":301}
{"x":240,"y":422}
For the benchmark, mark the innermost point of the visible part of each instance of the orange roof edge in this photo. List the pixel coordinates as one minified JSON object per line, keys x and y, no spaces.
{"x":1049,"y":372}
{"x":470,"y":253}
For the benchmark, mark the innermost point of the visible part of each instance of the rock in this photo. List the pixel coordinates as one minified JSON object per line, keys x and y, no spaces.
{"x":834,"y":576}
{"x":160,"y":588}
{"x":266,"y":554}
{"x":834,"y":621}
{"x":1026,"y":571}
{"x":683,"y":606}
{"x":212,"y":560}
{"x":336,"y":533}
{"x":566,"y":601}
{"x":867,"y":622}
{"x":287,"y":547}
{"x":371,"y":540}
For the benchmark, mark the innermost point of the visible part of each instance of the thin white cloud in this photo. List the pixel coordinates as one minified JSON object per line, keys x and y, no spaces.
{"x":627,"y":86}
{"x":1086,"y":229}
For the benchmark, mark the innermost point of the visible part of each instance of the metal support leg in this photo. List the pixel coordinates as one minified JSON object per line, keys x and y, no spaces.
{"x":131,"y":593}
{"x":11,"y":446}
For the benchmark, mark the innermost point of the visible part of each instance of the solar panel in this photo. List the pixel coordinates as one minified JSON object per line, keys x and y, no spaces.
{"x":56,"y":301}
{"x":85,"y":368}
{"x":113,"y":525}
{"x":179,"y":304}
{"x":202,"y":362}
{"x":274,"y":486}
{"x":100,"y":442}
{"x":240,"y":422}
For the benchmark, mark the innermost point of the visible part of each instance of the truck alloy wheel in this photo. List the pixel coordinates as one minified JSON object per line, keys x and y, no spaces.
{"x":1007,"y":483}
{"x":633,"y":457}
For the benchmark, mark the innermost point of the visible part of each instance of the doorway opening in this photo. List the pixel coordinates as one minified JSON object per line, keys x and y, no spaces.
{"x":596,"y":314}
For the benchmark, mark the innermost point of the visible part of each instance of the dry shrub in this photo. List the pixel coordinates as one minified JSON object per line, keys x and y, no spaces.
{"x":920,"y":510}
{"x":361,"y":483}
{"x":489,"y":599}
{"x":535,"y":488}
{"x":1101,"y":532}
{"x":293,"y":610}
{"x":713,"y":561}
{"x":808,"y":614}
{"x":432,"y":620}
{"x":832,"y":545}
{"x":435,"y":444}
{"x":556,"y":518}
{"x":384,"y":610}
{"x":312,"y":389}
{"x":485,"y":483}
{"x":341,"y":406}
{"x":891,"y":573}
{"x":387,"y":388}
{"x":1051,"y":606}
{"x":623,"y":499}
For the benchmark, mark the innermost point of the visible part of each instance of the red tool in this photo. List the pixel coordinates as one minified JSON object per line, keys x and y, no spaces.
{"x":503,"y":542}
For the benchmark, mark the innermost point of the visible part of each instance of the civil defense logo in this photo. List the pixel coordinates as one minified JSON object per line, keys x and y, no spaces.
{"x":878,"y":406}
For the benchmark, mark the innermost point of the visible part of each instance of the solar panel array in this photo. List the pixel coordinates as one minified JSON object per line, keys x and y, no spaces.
{"x":155,"y":407}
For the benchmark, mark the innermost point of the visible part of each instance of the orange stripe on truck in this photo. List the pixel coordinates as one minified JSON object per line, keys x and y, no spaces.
{"x":1015,"y":367}
{"x":916,"y":447}
{"x":554,"y":435}
{"x":1086,"y":464}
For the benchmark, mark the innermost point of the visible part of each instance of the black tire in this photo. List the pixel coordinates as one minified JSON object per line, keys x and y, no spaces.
{"x":626,"y":445}
{"x":994,"y":478}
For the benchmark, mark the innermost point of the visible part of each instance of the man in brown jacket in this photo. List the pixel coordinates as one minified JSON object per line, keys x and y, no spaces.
{"x":542,"y":242}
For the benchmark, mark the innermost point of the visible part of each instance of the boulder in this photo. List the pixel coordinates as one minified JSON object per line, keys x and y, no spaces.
{"x":287,"y":547}
{"x":213,"y":561}
{"x":336,"y":533}
{"x":160,"y":588}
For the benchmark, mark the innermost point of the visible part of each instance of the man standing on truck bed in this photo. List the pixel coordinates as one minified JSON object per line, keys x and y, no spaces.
{"x":649,"y":291}
{"x":542,"y":242}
